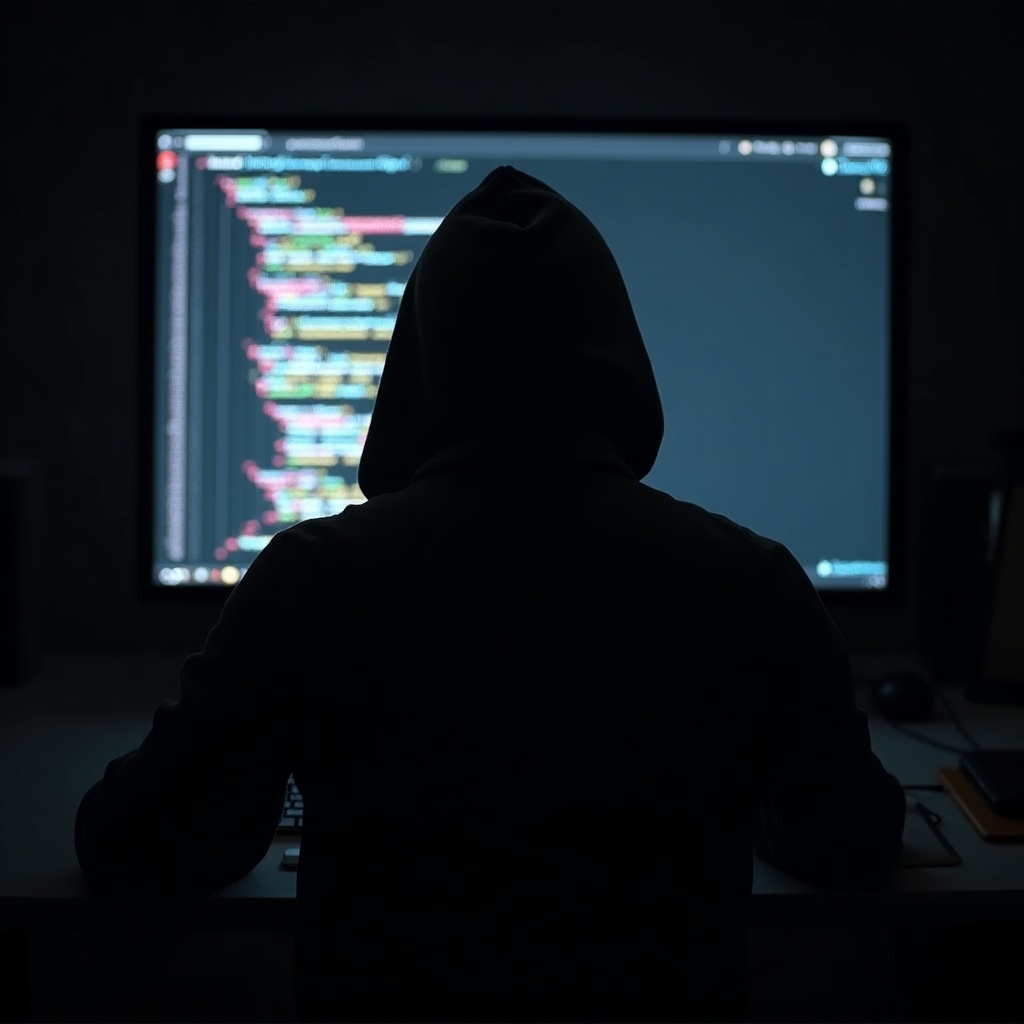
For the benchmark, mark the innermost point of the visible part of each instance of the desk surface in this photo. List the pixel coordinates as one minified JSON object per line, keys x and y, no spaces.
{"x":58,"y":733}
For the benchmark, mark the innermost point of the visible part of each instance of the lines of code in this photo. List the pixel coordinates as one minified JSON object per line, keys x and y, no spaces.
{"x":326,"y":335}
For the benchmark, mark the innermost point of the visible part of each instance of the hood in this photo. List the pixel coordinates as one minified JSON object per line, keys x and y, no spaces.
{"x":515,"y":319}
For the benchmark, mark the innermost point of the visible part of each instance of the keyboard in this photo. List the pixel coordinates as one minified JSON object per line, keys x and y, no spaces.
{"x":291,"y":816}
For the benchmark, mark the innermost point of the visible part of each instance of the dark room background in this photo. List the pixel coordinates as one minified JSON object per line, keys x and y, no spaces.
{"x":77,"y":77}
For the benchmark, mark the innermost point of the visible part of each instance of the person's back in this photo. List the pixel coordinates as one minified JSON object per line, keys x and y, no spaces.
{"x":531,"y":779}
{"x":538,"y":711}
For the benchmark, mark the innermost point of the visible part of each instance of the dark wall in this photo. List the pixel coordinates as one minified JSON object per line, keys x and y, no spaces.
{"x":77,"y":76}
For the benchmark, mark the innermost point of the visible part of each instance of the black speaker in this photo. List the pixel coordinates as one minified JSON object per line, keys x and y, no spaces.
{"x":1002,"y":677}
{"x":960,"y":537}
{"x":21,"y":597}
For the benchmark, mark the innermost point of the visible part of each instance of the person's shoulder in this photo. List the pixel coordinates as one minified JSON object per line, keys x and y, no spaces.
{"x":766,"y":564}
{"x":348,"y":531}
{"x":718,"y":527}
{"x":303,"y":539}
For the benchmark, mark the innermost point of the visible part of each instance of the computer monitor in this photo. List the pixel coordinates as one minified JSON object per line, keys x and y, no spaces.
{"x":763,"y":262}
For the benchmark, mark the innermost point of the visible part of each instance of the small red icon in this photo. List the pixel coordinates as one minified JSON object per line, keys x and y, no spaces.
{"x":166,"y":161}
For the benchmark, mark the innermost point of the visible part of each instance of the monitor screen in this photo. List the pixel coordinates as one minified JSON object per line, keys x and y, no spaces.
{"x":760,"y":265}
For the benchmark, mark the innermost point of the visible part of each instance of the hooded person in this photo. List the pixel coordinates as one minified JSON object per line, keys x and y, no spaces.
{"x":515,"y":323}
{"x":540,"y":713}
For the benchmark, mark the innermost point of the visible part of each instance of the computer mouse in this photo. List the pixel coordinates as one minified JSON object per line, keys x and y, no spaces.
{"x":904,"y":696}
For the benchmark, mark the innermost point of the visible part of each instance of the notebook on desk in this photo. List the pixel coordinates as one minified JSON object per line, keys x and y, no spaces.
{"x":999,"y":776}
{"x":989,"y":825}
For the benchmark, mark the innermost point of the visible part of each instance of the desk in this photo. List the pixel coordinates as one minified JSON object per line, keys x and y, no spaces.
{"x":58,"y":733}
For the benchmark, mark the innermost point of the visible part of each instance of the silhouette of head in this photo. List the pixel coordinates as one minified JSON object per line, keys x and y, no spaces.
{"x":515,"y":318}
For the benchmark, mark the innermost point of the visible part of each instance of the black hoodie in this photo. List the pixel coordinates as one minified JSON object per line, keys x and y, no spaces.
{"x":541,"y":714}
{"x":515,"y":320}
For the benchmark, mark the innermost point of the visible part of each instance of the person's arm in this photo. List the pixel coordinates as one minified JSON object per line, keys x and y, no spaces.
{"x":831,"y":813}
{"x":196,"y":806}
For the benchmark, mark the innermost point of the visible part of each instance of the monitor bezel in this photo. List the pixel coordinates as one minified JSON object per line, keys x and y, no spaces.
{"x":894,"y":594}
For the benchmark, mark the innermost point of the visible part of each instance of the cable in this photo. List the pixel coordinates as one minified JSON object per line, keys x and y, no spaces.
{"x":925,"y":739}
{"x":955,"y":718}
